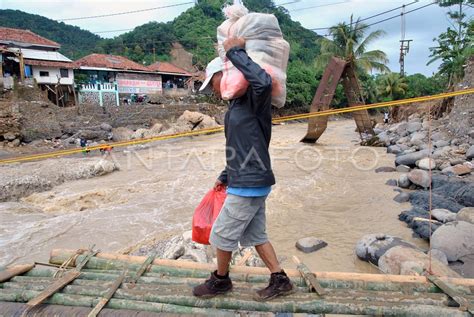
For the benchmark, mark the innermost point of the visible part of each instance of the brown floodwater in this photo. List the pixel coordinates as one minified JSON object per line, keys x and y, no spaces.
{"x":328,"y":190}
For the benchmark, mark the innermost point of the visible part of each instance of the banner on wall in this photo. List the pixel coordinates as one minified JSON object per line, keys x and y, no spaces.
{"x":135,"y":86}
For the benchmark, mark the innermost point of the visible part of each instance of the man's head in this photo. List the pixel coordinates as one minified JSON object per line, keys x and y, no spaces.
{"x":213,"y":77}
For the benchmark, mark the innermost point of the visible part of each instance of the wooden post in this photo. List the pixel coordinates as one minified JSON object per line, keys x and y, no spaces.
{"x":22,"y":66}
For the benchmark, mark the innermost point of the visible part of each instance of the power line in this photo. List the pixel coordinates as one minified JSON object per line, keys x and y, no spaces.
{"x":325,"y":35}
{"x":390,"y":18}
{"x":372,"y":16}
{"x":318,"y":6}
{"x":127,"y":12}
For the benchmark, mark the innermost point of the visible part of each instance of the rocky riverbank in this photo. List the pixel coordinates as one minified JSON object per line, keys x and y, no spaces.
{"x":437,"y":154}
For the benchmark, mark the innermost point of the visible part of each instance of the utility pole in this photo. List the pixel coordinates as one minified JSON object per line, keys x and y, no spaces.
{"x":404,"y":44}
{"x":404,"y":49}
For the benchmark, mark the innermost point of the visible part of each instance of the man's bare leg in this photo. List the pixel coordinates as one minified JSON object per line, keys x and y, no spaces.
{"x":223,"y":261}
{"x":268,"y":255}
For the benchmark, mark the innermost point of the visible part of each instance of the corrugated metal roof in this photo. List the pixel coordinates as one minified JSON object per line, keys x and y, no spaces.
{"x":44,"y":55}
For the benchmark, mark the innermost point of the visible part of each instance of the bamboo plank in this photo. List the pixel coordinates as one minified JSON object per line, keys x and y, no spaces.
{"x":12,"y":271}
{"x":53,"y":288}
{"x":58,"y":254}
{"x":143,"y":268}
{"x":309,"y":277}
{"x":104,"y":300}
{"x":463,"y":302}
{"x":61,"y":282}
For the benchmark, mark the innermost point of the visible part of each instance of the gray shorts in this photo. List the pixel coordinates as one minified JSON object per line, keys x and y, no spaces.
{"x":242,"y":219}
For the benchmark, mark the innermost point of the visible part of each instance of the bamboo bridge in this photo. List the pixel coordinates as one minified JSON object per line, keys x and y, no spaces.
{"x":91,"y":283}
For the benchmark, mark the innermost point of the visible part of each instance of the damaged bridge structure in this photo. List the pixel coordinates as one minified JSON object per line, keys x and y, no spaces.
{"x":91,"y":283}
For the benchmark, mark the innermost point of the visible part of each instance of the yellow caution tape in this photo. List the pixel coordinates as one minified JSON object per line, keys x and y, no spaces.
{"x":219,"y":129}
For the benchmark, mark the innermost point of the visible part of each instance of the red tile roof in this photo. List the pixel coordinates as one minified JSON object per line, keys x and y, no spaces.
{"x":24,"y":36}
{"x":36,"y":62}
{"x":109,"y":61}
{"x":164,"y":67}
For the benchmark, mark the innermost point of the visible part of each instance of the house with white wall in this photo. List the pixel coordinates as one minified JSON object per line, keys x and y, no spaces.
{"x":25,"y":54}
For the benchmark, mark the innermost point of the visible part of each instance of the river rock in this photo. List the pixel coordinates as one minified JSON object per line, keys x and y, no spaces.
{"x":420,"y":178}
{"x":411,"y":261}
{"x":426,"y":163}
{"x":439,"y":255}
{"x":122,"y":134}
{"x":464,"y":266}
{"x":310,"y":244}
{"x":439,"y":136}
{"x":404,"y":181}
{"x":402,"y":198}
{"x":417,"y":138}
{"x":106,"y":127}
{"x":458,"y":170}
{"x":443,"y":215}
{"x":391,"y":182}
{"x":14,"y":143}
{"x":385,"y":169}
{"x":470,"y":153}
{"x":411,"y":158}
{"x":440,"y":144}
{"x":403,"y":168}
{"x":372,"y":246}
{"x":414,"y":127}
{"x":9,"y":136}
{"x":466,"y":214}
{"x":455,"y":239}
{"x":456,"y":161}
{"x":394,"y":149}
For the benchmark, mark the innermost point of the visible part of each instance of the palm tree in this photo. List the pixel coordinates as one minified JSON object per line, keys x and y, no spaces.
{"x":392,"y":86}
{"x":349,"y":43}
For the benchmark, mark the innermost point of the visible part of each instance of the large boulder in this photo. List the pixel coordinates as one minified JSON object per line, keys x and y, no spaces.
{"x":122,"y":134}
{"x":466,"y":214}
{"x":470,"y":153}
{"x":410,"y":261}
{"x":455,"y":239}
{"x":418,"y":138}
{"x":411,"y":158}
{"x":404,"y":181}
{"x":372,"y":246}
{"x":196,"y":120}
{"x":414,"y":127}
{"x":420,"y":178}
{"x":426,"y":164}
{"x":443,"y":215}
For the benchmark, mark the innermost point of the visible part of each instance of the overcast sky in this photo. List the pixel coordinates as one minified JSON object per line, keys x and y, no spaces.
{"x":421,"y":26}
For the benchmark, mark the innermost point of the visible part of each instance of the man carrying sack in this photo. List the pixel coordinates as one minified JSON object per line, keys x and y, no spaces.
{"x":248,"y":176}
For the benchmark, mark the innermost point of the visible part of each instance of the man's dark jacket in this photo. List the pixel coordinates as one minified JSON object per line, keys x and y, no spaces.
{"x":248,"y":128}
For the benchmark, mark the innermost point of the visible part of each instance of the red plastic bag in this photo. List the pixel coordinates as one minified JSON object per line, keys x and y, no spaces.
{"x":206,"y":213}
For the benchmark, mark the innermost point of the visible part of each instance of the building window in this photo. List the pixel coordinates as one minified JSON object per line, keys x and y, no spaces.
{"x":44,"y":74}
{"x":64,"y":73}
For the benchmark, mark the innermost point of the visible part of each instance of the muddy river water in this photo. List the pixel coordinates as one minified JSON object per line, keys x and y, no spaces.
{"x":328,"y":190}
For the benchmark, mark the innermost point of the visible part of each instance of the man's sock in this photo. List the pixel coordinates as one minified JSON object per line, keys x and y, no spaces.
{"x":282,"y":272}
{"x":221,"y":277}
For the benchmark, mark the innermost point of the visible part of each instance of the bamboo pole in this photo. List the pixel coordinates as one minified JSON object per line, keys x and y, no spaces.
{"x":78,"y":300}
{"x":12,"y":271}
{"x":58,"y":254}
{"x":18,"y":309}
{"x":186,"y":304}
{"x":240,"y":292}
{"x":104,"y":264}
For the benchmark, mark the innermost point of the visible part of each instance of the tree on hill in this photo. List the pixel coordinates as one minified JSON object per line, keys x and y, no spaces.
{"x":455,"y":45}
{"x":74,"y":41}
{"x":349,"y":42}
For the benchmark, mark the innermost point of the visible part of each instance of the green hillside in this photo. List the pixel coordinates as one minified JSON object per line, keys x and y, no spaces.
{"x":195,"y":29}
{"x":74,"y":41}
